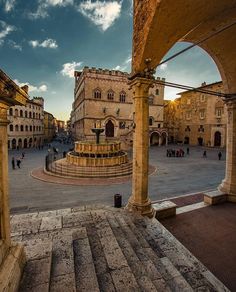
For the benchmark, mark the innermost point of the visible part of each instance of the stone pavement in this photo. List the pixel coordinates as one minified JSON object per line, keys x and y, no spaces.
{"x":105,"y":249}
{"x":174,"y":176}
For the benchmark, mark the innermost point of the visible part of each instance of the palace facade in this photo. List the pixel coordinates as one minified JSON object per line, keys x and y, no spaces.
{"x":197,"y":118}
{"x":26,"y":127}
{"x":103,"y":96}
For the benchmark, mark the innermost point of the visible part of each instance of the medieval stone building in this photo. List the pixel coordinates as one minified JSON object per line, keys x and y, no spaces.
{"x":197,"y":118}
{"x":104,"y":96}
{"x":26,"y":127}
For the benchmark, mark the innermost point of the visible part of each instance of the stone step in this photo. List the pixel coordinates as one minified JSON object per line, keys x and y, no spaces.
{"x":113,"y":270}
{"x":85,"y":274}
{"x":36,"y":274}
{"x":62,"y":270}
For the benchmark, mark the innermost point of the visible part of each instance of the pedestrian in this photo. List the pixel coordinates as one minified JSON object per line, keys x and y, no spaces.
{"x":204,"y":154}
{"x":18,"y":162}
{"x":187,"y":151}
{"x":219,"y":155}
{"x":23,"y":155}
{"x":13,"y":163}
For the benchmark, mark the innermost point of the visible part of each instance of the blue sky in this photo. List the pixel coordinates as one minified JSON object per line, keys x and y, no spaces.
{"x":43,"y":41}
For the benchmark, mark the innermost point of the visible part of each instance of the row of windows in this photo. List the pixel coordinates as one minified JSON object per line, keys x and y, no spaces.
{"x":26,"y":128}
{"x":200,"y":129}
{"x":202,"y":114}
{"x":20,"y":114}
{"x":97,"y":94}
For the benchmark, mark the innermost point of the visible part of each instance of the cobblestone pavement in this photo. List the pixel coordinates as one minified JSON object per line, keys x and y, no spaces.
{"x":174,"y":177}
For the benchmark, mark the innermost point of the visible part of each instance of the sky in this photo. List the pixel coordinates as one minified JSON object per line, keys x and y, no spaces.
{"x":42,"y":42}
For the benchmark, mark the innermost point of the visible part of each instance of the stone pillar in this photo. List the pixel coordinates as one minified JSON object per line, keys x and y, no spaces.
{"x":228,"y":185}
{"x":139,"y":201}
{"x":12,"y":257}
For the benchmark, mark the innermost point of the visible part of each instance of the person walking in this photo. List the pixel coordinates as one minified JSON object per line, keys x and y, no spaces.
{"x":187,"y":151}
{"x":13,"y":163}
{"x":204,"y":154}
{"x":219,"y":155}
{"x":18,"y":162}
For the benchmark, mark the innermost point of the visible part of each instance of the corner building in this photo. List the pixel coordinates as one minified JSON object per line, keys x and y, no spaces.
{"x":103,"y":96}
{"x":197,"y":118}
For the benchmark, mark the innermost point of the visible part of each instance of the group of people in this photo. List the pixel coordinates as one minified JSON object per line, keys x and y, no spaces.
{"x":17,"y":161}
{"x":175,"y":153}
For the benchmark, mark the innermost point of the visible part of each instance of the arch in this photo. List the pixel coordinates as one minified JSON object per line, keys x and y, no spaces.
{"x":30,"y":142}
{"x":30,"y":115}
{"x":155,"y":139}
{"x":16,"y":112}
{"x":25,"y":143}
{"x":16,"y":128}
{"x":97,"y":94}
{"x":22,"y":128}
{"x":11,"y":128}
{"x":13,"y":143}
{"x":21,"y":113}
{"x":200,"y":141}
{"x":110,"y":95}
{"x":122,"y":96}
{"x":217,"y":139}
{"x":109,"y":129}
{"x":20,"y":143}
{"x":186,"y":140}
{"x":164,"y":138}
{"x":10,"y":111}
{"x":33,"y":115}
{"x":26,"y":114}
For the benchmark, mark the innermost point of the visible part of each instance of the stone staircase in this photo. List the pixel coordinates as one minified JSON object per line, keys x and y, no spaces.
{"x":105,"y":249}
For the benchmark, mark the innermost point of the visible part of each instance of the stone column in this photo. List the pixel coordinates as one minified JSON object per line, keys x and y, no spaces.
{"x":139,"y":201}
{"x":228,"y":185}
{"x":12,"y":256}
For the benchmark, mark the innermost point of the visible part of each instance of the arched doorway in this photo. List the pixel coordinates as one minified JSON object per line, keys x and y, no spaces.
{"x":13,"y":144}
{"x":30,"y":142}
{"x":200,"y":141}
{"x":186,"y":140}
{"x":109,"y":129}
{"x":164,"y":139}
{"x":25,"y":143}
{"x":154,"y":139}
{"x":20,"y":143}
{"x":217,"y":139}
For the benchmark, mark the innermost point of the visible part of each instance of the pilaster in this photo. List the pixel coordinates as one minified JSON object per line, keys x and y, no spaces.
{"x":139,"y":201}
{"x":228,"y":185}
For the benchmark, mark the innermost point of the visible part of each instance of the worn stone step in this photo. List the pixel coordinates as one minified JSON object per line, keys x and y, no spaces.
{"x":62,"y":270}
{"x":85,"y":274}
{"x":36,"y":274}
{"x":116,"y":263}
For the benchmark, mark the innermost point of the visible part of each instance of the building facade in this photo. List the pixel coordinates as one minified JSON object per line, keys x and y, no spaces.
{"x":197,"y":118}
{"x":26,"y":127}
{"x":49,"y":127}
{"x":103,"y":96}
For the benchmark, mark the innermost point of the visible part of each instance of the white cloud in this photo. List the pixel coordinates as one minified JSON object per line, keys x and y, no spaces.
{"x":69,"y":68}
{"x":48,"y":43}
{"x":163,"y":66}
{"x":14,"y":45}
{"x":101,"y":13}
{"x":128,"y":60}
{"x":125,"y":65}
{"x":44,"y":5}
{"x":9,"y":5}
{"x":41,"y":88}
{"x":5,"y":29}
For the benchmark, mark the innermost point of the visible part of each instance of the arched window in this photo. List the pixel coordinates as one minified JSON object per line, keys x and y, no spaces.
{"x":30,"y":115}
{"x":110,"y":95}
{"x":26,"y":114}
{"x":21,"y":113}
{"x":33,"y":115}
{"x":26,"y":128}
{"x":122,"y":96}
{"x":97,"y":94}
{"x":16,"y":112}
{"x":36,"y":115}
{"x":39,"y":116}
{"x":16,"y":128}
{"x":30,"y":128}
{"x":34,"y":128}
{"x":11,"y":128}
{"x":22,"y":128}
{"x":10,"y":111}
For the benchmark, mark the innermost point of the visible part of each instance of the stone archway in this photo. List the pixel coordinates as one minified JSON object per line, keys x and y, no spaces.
{"x":164,"y":139}
{"x":30,"y":142}
{"x":109,"y":129}
{"x":154,"y":139}
{"x":25,"y":143}
{"x":200,"y":141}
{"x":217,"y":139}
{"x":20,"y":143}
{"x":13,"y":143}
